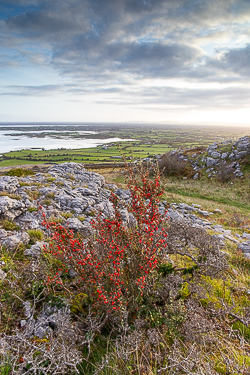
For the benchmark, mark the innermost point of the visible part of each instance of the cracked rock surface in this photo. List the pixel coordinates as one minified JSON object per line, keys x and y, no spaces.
{"x":74,"y":195}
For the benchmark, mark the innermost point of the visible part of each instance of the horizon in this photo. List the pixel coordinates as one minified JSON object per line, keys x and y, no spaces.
{"x":125,"y":61}
{"x":100,"y":123}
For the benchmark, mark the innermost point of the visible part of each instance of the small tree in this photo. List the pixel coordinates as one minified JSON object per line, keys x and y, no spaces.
{"x":171,"y":165}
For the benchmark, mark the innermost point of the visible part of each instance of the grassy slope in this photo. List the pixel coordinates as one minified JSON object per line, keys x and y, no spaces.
{"x":231,"y":288}
{"x":233,"y":200}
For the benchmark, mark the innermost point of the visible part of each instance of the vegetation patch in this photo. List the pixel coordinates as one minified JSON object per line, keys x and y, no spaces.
{"x":35,"y":235}
{"x":9,"y":225}
{"x":20,"y":172}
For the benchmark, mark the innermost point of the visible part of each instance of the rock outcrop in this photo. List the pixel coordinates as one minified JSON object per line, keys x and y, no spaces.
{"x":71,"y":194}
{"x":218,"y":158}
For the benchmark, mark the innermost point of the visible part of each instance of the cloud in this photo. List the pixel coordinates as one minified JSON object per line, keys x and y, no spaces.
{"x":145,"y":59}
{"x":113,"y":47}
{"x":237,"y":60}
{"x":158,"y":97}
{"x":20,"y":90}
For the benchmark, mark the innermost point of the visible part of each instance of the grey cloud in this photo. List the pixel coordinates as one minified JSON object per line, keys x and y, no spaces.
{"x":228,"y":66}
{"x":46,"y":22}
{"x":20,"y":90}
{"x":209,"y":12}
{"x":160,"y":97}
{"x":160,"y":56}
{"x":71,"y":89}
{"x":105,"y":44}
{"x":140,"y":59}
{"x":208,"y":99}
{"x":20,"y":3}
{"x":238,"y":60}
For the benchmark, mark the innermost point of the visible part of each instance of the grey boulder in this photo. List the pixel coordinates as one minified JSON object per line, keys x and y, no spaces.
{"x":244,"y":246}
{"x":8,"y":184}
{"x":35,"y":250}
{"x":246,"y":235}
{"x":11,"y":242}
{"x":10,"y":208}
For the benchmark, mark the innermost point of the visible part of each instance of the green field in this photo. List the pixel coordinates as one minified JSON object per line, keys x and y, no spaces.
{"x":150,"y":141}
{"x":86,"y":155}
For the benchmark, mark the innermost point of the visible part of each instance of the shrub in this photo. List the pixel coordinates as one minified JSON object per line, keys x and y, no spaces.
{"x":237,"y":220}
{"x":124,"y":266}
{"x":55,"y":354}
{"x":171,"y":165}
{"x":115,"y":264}
{"x":225,"y":172}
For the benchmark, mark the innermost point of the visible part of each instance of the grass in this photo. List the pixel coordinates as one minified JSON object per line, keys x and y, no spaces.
{"x":150,"y":141}
{"x":9,"y":225}
{"x":236,"y":195}
{"x":35,"y":235}
{"x":20,"y":172}
{"x":32,"y":209}
{"x":66,"y":215}
{"x":137,"y":354}
{"x":46,"y":201}
{"x":51,"y":179}
{"x":210,"y":194}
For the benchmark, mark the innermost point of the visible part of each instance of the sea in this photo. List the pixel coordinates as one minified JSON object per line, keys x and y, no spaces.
{"x":19,"y":141}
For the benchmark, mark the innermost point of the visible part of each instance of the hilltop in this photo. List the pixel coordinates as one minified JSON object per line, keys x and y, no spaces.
{"x":194,"y":314}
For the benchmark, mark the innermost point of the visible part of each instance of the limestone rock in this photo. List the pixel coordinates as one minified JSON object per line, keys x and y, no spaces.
{"x":246,"y":235}
{"x":224,"y":155}
{"x":210,"y":162}
{"x":11,"y":242}
{"x":231,"y":238}
{"x":204,"y":213}
{"x":10,"y":208}
{"x":125,"y":217}
{"x":241,"y":154}
{"x":244,"y":246}
{"x":35,"y":250}
{"x":74,"y":224}
{"x":3,"y":233}
{"x":8,"y":184}
{"x":217,"y":211}
{"x":2,"y":274}
{"x":29,"y":220}
{"x":215,"y":154}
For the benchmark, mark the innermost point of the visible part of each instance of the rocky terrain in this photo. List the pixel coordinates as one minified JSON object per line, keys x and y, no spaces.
{"x":226,"y":156}
{"x":72,"y":195}
{"x":42,"y":327}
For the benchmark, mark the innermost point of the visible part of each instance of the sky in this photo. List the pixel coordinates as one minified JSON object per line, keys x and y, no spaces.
{"x":157,"y":61}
